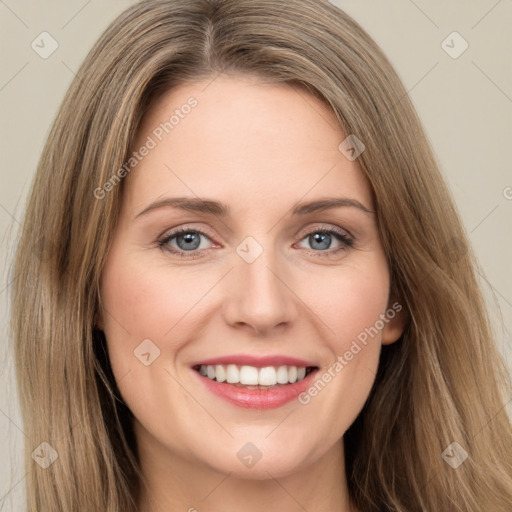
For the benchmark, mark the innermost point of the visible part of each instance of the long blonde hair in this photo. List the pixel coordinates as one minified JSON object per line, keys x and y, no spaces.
{"x":442,"y":382}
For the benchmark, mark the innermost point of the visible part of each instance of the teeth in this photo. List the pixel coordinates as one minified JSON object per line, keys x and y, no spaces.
{"x":232,"y":374}
{"x":220,"y":373}
{"x":252,"y":376}
{"x":249,"y":376}
{"x":267,"y":376}
{"x":282,"y":375}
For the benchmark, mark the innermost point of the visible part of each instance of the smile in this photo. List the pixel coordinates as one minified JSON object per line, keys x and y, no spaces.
{"x":255,"y":382}
{"x":253,"y":376}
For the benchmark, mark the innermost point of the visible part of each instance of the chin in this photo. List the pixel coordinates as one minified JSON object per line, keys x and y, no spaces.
{"x":259,"y":461}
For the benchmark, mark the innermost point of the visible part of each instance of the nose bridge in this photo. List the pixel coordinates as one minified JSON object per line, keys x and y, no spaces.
{"x":260,"y":297}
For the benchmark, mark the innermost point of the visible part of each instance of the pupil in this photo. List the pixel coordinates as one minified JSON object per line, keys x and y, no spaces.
{"x":323,"y":239}
{"x":190,"y":243}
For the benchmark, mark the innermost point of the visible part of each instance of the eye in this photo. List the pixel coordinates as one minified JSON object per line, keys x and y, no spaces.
{"x":182,"y":241}
{"x":321,"y":240}
{"x":188,"y":242}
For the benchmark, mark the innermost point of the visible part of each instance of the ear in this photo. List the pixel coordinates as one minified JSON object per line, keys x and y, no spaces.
{"x":394,"y":323}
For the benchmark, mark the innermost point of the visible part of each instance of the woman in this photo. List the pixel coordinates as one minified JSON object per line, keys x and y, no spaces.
{"x":252,"y":288}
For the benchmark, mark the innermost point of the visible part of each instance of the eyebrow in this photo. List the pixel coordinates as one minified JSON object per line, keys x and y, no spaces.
{"x":212,"y":207}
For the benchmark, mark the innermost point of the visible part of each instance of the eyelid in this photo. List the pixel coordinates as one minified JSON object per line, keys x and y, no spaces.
{"x":171,"y":233}
{"x":347,"y":240}
{"x":163,"y":243}
{"x":323,"y":227}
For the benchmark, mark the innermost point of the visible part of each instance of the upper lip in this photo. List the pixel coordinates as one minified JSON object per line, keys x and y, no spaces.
{"x":257,"y":361}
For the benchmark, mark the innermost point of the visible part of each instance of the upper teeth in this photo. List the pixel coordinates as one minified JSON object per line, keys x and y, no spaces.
{"x":250,"y":375}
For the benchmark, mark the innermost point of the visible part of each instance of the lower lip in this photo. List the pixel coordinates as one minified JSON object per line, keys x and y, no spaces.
{"x":257,"y":398}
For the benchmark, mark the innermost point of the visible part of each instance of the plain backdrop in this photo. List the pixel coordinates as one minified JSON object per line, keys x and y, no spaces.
{"x":464,"y":99}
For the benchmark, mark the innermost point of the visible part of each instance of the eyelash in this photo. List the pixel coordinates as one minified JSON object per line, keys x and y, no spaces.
{"x":345,"y":240}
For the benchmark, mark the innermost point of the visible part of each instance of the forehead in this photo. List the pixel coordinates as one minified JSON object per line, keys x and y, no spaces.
{"x":244,"y":142}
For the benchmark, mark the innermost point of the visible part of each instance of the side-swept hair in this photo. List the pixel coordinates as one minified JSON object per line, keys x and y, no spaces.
{"x":443,"y":381}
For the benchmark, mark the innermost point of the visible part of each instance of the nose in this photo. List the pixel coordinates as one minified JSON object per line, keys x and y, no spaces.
{"x":259,"y":297}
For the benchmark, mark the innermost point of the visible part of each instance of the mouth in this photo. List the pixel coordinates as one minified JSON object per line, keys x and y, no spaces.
{"x":257,"y":386}
{"x":253,"y":377}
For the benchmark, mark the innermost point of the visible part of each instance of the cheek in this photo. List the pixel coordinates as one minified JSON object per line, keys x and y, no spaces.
{"x":351,"y":306}
{"x":150,"y":314}
{"x":358,"y":324}
{"x":349,"y":301}
{"x":144,"y":302}
{"x":360,"y":302}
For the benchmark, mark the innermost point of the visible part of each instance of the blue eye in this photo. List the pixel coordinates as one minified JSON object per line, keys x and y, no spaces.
{"x":186,"y":242}
{"x":321,"y":239}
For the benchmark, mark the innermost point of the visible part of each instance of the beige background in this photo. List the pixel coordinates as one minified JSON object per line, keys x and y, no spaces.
{"x":465,"y":104}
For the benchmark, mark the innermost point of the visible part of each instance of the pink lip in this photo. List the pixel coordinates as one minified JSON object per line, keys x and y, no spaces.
{"x":257,"y":361}
{"x":256,"y":398}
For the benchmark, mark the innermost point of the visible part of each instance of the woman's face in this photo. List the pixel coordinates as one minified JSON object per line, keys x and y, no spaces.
{"x":262,"y":287}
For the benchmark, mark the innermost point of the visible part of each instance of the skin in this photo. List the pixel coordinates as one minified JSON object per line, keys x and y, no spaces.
{"x":259,"y":148}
